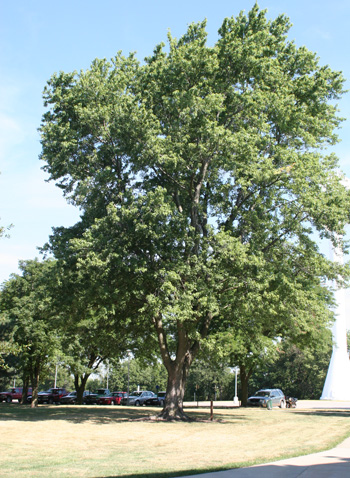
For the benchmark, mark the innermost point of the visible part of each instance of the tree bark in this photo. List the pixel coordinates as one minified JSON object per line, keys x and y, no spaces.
{"x":35,"y":385}
{"x":25,"y":389}
{"x":173,"y":404}
{"x":179,"y":366}
{"x":245,"y":376}
{"x":94,"y":361}
{"x":80,"y":387}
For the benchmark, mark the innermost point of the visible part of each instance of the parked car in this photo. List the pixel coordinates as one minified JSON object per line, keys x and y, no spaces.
{"x":14,"y":393}
{"x":158,"y":400}
{"x":30,"y":397}
{"x":92,"y":398}
{"x":53,"y":395}
{"x":71,"y":398}
{"x":138,"y":398}
{"x":113,"y":398}
{"x":161,"y":398}
{"x":262,"y":397}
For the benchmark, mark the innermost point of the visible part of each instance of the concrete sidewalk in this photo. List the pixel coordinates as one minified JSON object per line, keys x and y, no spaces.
{"x":333,"y":463}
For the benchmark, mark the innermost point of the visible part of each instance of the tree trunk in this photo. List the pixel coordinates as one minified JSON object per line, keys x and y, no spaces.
{"x":35,"y":386}
{"x":245,"y":376}
{"x":80,"y":387}
{"x":25,"y":389}
{"x":173,"y":404}
{"x":179,"y":366}
{"x":94,"y":362}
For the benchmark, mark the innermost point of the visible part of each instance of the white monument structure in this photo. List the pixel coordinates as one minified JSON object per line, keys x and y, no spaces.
{"x":337,"y":384}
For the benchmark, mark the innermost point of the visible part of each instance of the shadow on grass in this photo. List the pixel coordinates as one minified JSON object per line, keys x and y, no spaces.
{"x":341,"y":468}
{"x":74,"y":414}
{"x":99,"y":414}
{"x":107,"y":414}
{"x":324,"y":413}
{"x":174,"y":474}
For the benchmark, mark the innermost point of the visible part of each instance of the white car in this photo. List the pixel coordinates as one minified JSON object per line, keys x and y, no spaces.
{"x":138,"y":398}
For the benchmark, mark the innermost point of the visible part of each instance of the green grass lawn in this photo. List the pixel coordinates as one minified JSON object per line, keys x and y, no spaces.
{"x":73,"y":441}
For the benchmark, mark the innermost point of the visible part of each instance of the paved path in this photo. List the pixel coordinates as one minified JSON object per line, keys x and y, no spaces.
{"x":334,"y":463}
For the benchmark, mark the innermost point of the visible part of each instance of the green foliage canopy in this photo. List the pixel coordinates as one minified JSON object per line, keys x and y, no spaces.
{"x":201,"y":175}
{"x":26,"y":303}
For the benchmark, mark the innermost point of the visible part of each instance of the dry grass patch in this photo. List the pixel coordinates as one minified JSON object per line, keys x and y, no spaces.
{"x":68,"y":441}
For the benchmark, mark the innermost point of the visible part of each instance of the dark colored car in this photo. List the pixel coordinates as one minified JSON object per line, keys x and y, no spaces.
{"x":53,"y":395}
{"x":71,"y":398}
{"x":158,"y":400}
{"x":263,"y":397}
{"x":93,"y":397}
{"x":113,"y":398}
{"x":14,"y":393}
{"x":161,"y":398}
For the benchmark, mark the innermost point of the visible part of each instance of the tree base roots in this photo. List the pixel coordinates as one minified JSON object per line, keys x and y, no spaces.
{"x":172,"y":415}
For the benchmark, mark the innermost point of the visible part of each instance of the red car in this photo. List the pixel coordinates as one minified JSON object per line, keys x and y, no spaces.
{"x":113,"y":398}
{"x":53,"y":395}
{"x":14,"y":393}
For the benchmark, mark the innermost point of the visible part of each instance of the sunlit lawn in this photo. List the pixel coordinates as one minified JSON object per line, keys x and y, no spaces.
{"x":72,"y":441}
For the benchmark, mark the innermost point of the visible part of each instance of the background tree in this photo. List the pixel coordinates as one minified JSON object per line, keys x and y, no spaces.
{"x":7,"y":347}
{"x":8,"y":354}
{"x":8,"y":351}
{"x":299,"y":372}
{"x":92,"y":329}
{"x":210,"y":380}
{"x":248,"y":352}
{"x":148,"y":376}
{"x":26,"y":302}
{"x":298,"y":311}
{"x":57,"y":372}
{"x":197,"y":174}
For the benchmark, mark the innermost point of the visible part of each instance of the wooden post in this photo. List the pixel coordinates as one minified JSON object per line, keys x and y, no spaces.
{"x":211,"y":410}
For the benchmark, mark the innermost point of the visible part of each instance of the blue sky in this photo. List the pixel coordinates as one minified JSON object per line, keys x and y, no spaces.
{"x":38,"y":38}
